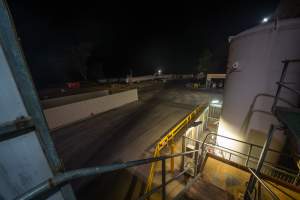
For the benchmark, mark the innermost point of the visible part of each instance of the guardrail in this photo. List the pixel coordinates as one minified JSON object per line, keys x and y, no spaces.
{"x":282,"y":84}
{"x":283,"y":174}
{"x":168,"y":138}
{"x":270,"y":169}
{"x":46,"y":188}
{"x":60,"y":180}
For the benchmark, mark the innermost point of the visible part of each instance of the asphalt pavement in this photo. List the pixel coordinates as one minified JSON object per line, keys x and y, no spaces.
{"x":127,"y":133}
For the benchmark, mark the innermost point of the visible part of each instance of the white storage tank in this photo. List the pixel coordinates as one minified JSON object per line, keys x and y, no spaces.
{"x":254,"y":67}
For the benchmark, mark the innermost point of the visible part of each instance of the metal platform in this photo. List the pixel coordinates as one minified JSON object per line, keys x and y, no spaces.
{"x":204,"y":190}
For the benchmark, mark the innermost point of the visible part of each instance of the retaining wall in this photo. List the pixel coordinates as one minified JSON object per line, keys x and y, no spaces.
{"x":54,"y":102}
{"x":66,"y":114}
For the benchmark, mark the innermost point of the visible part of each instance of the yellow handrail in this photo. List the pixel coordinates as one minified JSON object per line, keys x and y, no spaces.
{"x":169,"y":137}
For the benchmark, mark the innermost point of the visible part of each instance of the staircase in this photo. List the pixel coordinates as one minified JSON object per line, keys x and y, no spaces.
{"x":204,"y":190}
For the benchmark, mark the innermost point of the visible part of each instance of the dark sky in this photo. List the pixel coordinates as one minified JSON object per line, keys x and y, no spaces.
{"x":59,"y":37}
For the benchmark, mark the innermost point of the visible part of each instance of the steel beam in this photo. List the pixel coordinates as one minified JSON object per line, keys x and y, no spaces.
{"x":20,"y":126}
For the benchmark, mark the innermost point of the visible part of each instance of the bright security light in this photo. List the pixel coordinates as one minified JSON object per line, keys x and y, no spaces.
{"x":215,"y":101}
{"x":265,"y":20}
{"x":159,"y":72}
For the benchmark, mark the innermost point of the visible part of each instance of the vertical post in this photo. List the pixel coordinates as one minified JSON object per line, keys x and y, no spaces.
{"x":206,"y":117}
{"x":262,"y":157}
{"x":172,"y":146}
{"x":265,"y":149}
{"x":296,"y":179}
{"x":249,"y":154}
{"x":282,"y":77}
{"x":259,"y":191}
{"x":202,"y":153}
{"x":196,"y":160}
{"x":182,"y":150}
{"x":163,"y":179}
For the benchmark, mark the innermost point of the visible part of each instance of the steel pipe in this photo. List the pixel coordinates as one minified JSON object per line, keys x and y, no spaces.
{"x":63,"y":178}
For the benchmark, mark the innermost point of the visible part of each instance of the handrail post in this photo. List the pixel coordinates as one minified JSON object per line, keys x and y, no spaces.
{"x":163,"y":179}
{"x":249,"y":154}
{"x":197,"y":147}
{"x":183,"y":150}
{"x":259,"y":191}
{"x":201,"y":147}
{"x":265,"y":149}
{"x":262,"y":157}
{"x":282,"y":77}
{"x":172,"y":148}
{"x":296,"y":178}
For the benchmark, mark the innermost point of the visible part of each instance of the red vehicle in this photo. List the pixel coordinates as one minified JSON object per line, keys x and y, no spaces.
{"x":73,"y":85}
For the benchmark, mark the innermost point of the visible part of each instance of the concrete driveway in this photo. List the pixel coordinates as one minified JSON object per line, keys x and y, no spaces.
{"x":126,"y":133}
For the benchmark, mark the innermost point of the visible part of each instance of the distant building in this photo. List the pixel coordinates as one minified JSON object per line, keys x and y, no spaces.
{"x":215,"y":80}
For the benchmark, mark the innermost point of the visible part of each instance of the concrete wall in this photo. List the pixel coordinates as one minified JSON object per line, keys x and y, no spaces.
{"x":54,"y":102}
{"x":70,"y":113}
{"x":149,"y":77}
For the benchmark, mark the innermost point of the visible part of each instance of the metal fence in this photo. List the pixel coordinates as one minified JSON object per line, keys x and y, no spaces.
{"x":271,"y":169}
{"x":213,"y":117}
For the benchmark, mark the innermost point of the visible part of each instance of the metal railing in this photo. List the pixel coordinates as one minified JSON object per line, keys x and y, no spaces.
{"x":282,"y":82}
{"x":279,"y":174}
{"x":252,"y":110}
{"x":260,"y":183}
{"x":269,"y":169}
{"x":168,"y":139}
{"x":62,"y":179}
{"x":214,"y":114}
{"x":45,"y":188}
{"x":280,"y":190}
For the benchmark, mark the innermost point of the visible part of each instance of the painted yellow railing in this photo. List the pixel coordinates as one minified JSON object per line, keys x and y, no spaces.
{"x":168,"y":138}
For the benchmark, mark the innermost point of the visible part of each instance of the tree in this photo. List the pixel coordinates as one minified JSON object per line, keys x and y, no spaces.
{"x":205,"y":61}
{"x":80,"y":55}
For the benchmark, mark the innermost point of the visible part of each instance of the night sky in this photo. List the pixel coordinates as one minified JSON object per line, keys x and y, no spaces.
{"x":60,"y":37}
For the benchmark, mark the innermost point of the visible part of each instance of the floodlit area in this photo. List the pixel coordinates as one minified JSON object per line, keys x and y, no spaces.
{"x":165,"y":101}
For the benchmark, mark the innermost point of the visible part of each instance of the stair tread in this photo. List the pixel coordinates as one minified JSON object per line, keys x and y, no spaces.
{"x":203,"y":190}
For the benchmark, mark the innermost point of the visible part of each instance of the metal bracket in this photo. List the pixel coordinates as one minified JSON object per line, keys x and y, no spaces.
{"x":195,"y":124}
{"x":19,"y":126}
